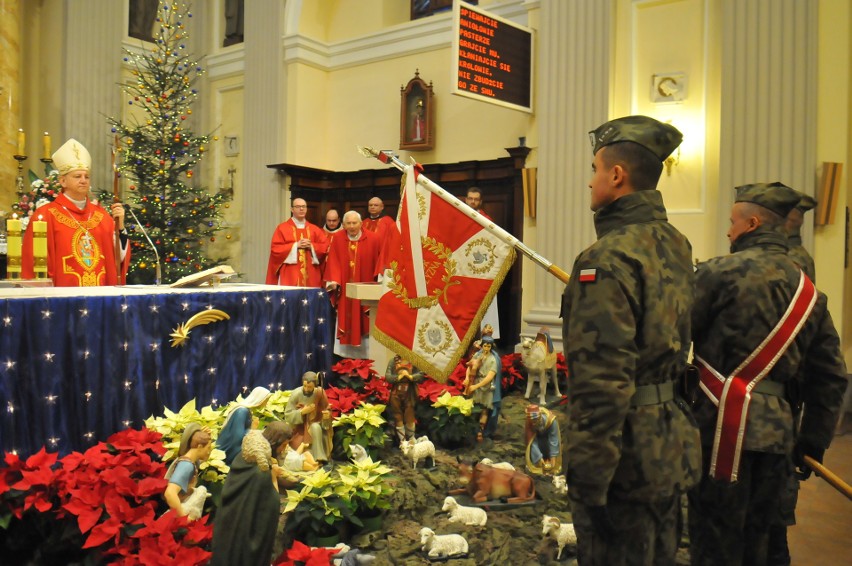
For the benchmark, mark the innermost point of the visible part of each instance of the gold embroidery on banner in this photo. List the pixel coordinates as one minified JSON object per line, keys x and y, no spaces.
{"x":421,"y":204}
{"x":483,"y":260}
{"x":430,"y":268}
{"x":434,"y":337}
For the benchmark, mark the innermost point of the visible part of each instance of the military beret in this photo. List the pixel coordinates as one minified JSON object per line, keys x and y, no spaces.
{"x":806,"y":202}
{"x":660,"y":139}
{"x":777,"y":197}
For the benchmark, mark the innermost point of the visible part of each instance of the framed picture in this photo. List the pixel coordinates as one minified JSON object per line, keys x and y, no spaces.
{"x":417,"y":115}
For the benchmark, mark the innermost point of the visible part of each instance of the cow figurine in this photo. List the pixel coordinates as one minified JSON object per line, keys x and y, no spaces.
{"x":540,"y":360}
{"x":484,"y":483}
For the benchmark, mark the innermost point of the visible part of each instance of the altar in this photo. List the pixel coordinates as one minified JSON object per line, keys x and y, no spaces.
{"x":78,"y":364}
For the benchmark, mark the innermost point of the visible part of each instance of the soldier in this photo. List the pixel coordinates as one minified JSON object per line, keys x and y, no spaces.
{"x":744,"y":412}
{"x":631,"y":447}
{"x":794,"y":237}
{"x":779,"y":551}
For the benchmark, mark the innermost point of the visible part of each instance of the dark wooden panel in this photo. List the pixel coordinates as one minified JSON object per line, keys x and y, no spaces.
{"x":502,"y":192}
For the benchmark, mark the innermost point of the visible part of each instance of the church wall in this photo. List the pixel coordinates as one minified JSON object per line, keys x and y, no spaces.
{"x":834,"y":121}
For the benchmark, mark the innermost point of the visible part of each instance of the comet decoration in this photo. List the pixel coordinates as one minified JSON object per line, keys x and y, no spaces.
{"x":181,"y":333}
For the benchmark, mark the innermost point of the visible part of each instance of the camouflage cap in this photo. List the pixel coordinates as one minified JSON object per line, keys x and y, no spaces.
{"x":806,"y":202}
{"x":777,"y":197}
{"x":658,"y":138}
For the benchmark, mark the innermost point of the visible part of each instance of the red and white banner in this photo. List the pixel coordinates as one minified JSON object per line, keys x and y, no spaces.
{"x":444,"y":272}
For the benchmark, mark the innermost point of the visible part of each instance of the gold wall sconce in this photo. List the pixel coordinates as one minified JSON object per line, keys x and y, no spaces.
{"x":672,"y":160}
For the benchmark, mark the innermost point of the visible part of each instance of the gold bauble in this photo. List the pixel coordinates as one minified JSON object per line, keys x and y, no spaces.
{"x":143,"y":265}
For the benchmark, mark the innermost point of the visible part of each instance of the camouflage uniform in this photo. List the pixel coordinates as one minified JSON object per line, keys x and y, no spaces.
{"x":797,"y":252}
{"x":625,"y":328}
{"x":779,"y":552}
{"x":739,"y":300}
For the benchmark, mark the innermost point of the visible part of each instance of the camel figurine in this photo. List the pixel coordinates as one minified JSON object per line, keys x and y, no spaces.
{"x":539,"y":359}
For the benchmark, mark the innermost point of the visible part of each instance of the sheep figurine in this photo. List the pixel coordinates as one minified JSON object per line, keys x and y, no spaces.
{"x":352,"y":557}
{"x":500,"y":465}
{"x":462,"y":514}
{"x":193,"y":505}
{"x":564,"y":534}
{"x":417,"y":450}
{"x":359,"y":453}
{"x":559,"y":485}
{"x":442,"y":546}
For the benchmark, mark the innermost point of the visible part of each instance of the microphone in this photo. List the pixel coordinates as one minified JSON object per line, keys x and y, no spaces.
{"x":153,"y":247}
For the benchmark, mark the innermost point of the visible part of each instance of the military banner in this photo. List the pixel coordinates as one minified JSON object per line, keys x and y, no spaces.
{"x":444,"y":272}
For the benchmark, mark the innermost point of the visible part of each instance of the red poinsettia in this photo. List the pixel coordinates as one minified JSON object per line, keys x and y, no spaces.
{"x":34,"y":476}
{"x":561,"y":364}
{"x":430,"y":390}
{"x":170,"y":540}
{"x":342,"y":399}
{"x":377,"y":388}
{"x":511,"y":373}
{"x":349,"y":366}
{"x":302,"y":554}
{"x":113,"y":492}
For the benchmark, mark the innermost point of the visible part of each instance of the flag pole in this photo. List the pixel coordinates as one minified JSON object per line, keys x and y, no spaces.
{"x":388,"y":157}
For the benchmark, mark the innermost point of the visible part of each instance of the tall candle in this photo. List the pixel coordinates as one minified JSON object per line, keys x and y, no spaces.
{"x":45,"y":142}
{"x":40,"y":248}
{"x":13,"y":239}
{"x":22,"y":142}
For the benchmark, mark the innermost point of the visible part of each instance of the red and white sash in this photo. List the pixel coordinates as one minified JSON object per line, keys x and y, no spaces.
{"x":733,"y":394}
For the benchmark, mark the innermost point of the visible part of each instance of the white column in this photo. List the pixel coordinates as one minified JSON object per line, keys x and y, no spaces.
{"x":768,"y":118}
{"x":265,"y":97}
{"x":575,"y":43}
{"x":90,"y":71}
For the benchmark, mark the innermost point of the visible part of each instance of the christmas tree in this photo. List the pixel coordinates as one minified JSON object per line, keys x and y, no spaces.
{"x":158,"y":155}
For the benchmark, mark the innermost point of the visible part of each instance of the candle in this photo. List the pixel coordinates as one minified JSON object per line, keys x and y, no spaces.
{"x":22,"y":142}
{"x":40,"y":248}
{"x":45,"y":142}
{"x":13,"y":239}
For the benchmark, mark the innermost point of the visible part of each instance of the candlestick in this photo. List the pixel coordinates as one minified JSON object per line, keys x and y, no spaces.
{"x":40,"y":248}
{"x":13,"y":240}
{"x":22,"y":142}
{"x":45,"y":142}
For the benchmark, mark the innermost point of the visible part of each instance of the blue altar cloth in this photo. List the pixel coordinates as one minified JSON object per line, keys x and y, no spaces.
{"x":77,"y":365}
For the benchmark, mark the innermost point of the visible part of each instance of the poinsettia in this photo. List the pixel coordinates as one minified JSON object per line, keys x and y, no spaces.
{"x":377,"y":388}
{"x":34,"y":477}
{"x":112,"y":492}
{"x":302,"y":554}
{"x":349,"y":366}
{"x":342,"y":399}
{"x":511,"y":373}
{"x":430,"y":389}
{"x":561,"y":364}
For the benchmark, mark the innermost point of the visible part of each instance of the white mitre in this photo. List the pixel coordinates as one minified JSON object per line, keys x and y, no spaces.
{"x":72,"y":156}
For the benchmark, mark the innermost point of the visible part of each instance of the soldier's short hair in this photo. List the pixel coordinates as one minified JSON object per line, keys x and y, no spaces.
{"x":642,"y":165}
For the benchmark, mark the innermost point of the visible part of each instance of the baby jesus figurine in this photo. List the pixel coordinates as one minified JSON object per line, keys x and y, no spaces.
{"x":300,"y":459}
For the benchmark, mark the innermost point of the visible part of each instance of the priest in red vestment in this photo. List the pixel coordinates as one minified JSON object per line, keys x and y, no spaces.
{"x":297,"y":251}
{"x":80,"y":235}
{"x":377,"y":222}
{"x":332,"y":224}
{"x":353,"y":258}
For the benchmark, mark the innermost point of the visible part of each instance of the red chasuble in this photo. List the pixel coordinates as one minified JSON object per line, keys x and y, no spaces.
{"x":355,"y":262}
{"x":303,"y":273}
{"x":80,"y":245}
{"x":379,"y":225}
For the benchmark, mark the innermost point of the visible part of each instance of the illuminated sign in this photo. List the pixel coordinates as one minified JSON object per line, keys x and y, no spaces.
{"x":492,"y":58}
